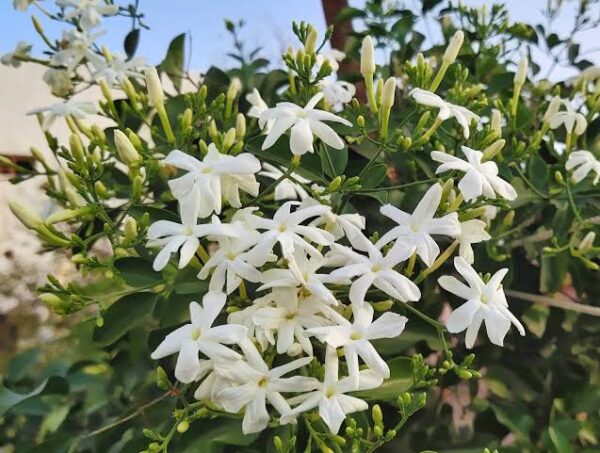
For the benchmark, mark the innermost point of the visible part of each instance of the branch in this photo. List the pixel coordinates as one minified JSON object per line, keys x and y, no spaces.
{"x":559,"y":301}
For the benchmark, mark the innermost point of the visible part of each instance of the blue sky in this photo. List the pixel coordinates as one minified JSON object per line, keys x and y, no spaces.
{"x":268,"y":25}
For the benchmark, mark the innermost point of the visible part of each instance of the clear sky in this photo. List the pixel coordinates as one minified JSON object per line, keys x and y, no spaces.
{"x":268,"y":25}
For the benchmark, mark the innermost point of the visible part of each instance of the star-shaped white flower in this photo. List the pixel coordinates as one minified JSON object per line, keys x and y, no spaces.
{"x":337,"y":93}
{"x":486,"y":302}
{"x":471,"y":232}
{"x":171,"y":236}
{"x":339,"y":225}
{"x":356,"y":338}
{"x":330,"y":397}
{"x":413,"y":233}
{"x":481,"y":178}
{"x":88,"y":13}
{"x":305,"y":123}
{"x":583,"y":162}
{"x":572,"y":120}
{"x":260,"y":384}
{"x":286,"y":189}
{"x":286,"y":229}
{"x":291,"y":315}
{"x":201,"y":190}
{"x":376,"y":270}
{"x":258,"y":108}
{"x":117,"y":69}
{"x":303,"y":272}
{"x":22,"y":49}
{"x":200,"y":336}
{"x":75,"y":47}
{"x":71,"y":107}
{"x":446,"y":109}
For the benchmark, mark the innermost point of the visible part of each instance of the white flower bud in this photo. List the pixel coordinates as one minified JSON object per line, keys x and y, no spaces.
{"x":127,"y":152}
{"x":521,"y":74}
{"x":240,"y":126}
{"x":27,"y":217}
{"x":235,"y":86}
{"x":388,"y":94}
{"x":552,"y":109}
{"x":367,"y":56}
{"x":496,"y":122}
{"x":587,"y":242}
{"x":453,"y":48}
{"x":156,"y":94}
{"x":311,"y":41}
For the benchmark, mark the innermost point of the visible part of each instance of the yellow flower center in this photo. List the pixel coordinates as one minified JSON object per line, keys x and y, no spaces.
{"x":355,"y":336}
{"x":196,"y":333}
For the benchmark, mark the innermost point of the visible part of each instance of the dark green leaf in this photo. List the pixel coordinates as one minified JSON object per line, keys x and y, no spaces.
{"x":401,"y":380}
{"x":333,"y":161}
{"x":538,"y":172}
{"x":9,"y":399}
{"x":131,"y":42}
{"x":137,"y":271}
{"x":173,"y":64}
{"x":560,"y":442}
{"x":122,"y":316}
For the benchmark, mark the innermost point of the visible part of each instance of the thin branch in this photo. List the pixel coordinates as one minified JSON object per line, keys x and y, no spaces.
{"x":558,"y":300}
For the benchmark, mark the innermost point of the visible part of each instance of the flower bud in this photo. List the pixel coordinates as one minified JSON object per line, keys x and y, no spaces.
{"x":229,"y":139}
{"x":377,"y":415}
{"x":587,"y":242}
{"x":453,"y":47}
{"x":491,"y":151}
{"x":156,"y":94}
{"x":183,"y":426}
{"x":360,"y":121}
{"x":77,"y":148}
{"x":127,"y":151}
{"x":496,"y":122}
{"x":37,"y":154}
{"x":367,"y":56}
{"x":27,"y":217}
{"x":130,"y":229}
{"x":552,"y":109}
{"x":311,"y":41}
{"x":235,"y":86}
{"x":240,"y":126}
{"x":521,"y":74}
{"x":186,"y":120}
{"x":388,"y":93}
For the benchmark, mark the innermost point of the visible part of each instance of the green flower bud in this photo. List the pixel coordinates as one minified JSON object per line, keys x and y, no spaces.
{"x":229,"y":139}
{"x":127,"y":151}
{"x":311,"y":41}
{"x":25,"y":215}
{"x":558,"y":176}
{"x":334,"y":184}
{"x":587,"y":242}
{"x":383,"y":305}
{"x":235,"y":86}
{"x":491,"y":151}
{"x":360,"y":121}
{"x":156,"y":94}
{"x":377,"y":415}
{"x":183,"y":426}
{"x":130,"y":229}
{"x":77,"y":150}
{"x":367,"y":56}
{"x":162,"y":380}
{"x":278,"y":443}
{"x":240,"y":126}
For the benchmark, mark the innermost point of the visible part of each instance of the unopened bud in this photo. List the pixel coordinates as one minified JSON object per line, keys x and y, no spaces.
{"x":491,"y":151}
{"x":521,"y":74}
{"x":552,"y":109}
{"x":453,"y":47}
{"x":228,"y":139}
{"x":587,"y":242}
{"x":560,"y":179}
{"x":377,"y":415}
{"x":101,"y":189}
{"x":235,"y":86}
{"x":186,"y":120}
{"x":360,"y":121}
{"x":183,"y":426}
{"x":240,"y":126}
{"x":77,"y":148}
{"x":384,"y":305}
{"x":127,"y":151}
{"x":27,"y":217}
{"x":496,"y":122}
{"x":130,"y":229}
{"x":367,"y":56}
{"x":311,"y":41}
{"x":388,"y":94}
{"x":156,"y":94}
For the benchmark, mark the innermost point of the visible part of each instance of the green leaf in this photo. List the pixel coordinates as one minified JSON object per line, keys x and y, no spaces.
{"x":122,"y":316}
{"x":174,"y":61}
{"x":131,"y":42}
{"x":538,"y":172}
{"x":333,"y":161}
{"x":349,"y":13}
{"x":401,"y":380}
{"x":416,"y":330}
{"x":214,"y":436}
{"x":374,"y":176}
{"x":536,"y":317}
{"x":560,"y":442}
{"x":514,"y":418}
{"x":553,"y":272}
{"x":52,"y":386}
{"x":137,"y":272}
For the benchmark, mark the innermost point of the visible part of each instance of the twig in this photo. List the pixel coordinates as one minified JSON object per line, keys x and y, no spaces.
{"x":559,"y":301}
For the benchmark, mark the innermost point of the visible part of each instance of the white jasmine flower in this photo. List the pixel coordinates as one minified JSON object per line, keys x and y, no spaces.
{"x":286,"y":189}
{"x":339,"y":225}
{"x":229,"y":264}
{"x":214,"y":379}
{"x":446,"y":109}
{"x":59,"y":80}
{"x":303,"y":273}
{"x":481,"y":178}
{"x":337,"y":93}
{"x":332,"y":56}
{"x":304,"y":123}
{"x":71,"y":107}
{"x":76,"y":46}
{"x":291,"y":315}
{"x":201,"y":190}
{"x":355,"y":338}
{"x":200,"y":336}
{"x":118,"y":69}
{"x":330,"y":397}
{"x":88,"y":13}
{"x":471,"y":232}
{"x":22,"y":5}
{"x":261,"y":384}
{"x":413,"y":233}
{"x":376,"y":270}
{"x":258,"y":108}
{"x":583,"y":162}
{"x":22,"y":50}
{"x":485,"y":302}
{"x":572,"y":120}
{"x":286,"y":229}
{"x":245,"y":318}
{"x":172,"y":236}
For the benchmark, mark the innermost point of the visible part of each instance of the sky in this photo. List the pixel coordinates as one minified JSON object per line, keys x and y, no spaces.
{"x":268,"y":26}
